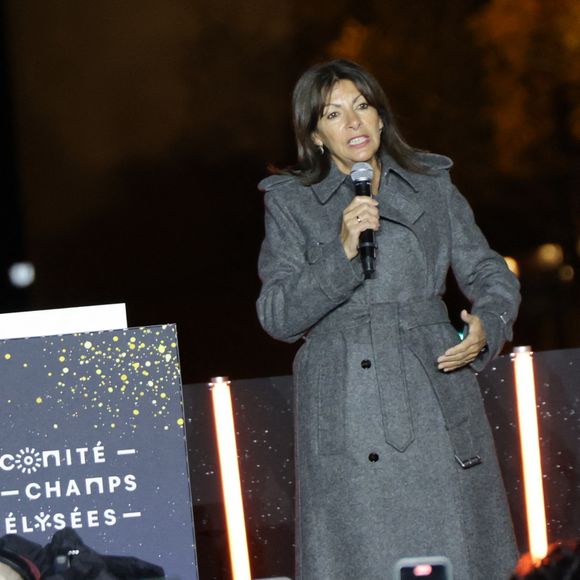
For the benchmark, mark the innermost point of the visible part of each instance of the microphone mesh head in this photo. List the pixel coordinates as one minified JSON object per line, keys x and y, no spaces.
{"x":361,"y":171}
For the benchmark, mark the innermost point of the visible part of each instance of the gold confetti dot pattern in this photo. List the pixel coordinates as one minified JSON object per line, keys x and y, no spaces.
{"x":112,"y":379}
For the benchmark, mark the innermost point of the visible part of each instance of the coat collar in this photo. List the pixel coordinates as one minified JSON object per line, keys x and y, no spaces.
{"x":394,"y":204}
{"x":326,"y":188}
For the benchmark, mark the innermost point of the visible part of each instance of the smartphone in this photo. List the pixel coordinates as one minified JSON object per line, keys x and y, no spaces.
{"x":431,"y":567}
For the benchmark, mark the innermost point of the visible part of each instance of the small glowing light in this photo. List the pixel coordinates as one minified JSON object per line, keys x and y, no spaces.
{"x":513,"y":265}
{"x":550,"y":255}
{"x":21,"y":274}
{"x":530,"y":447}
{"x":422,"y":570}
{"x":566,"y":273}
{"x":230,"y":477}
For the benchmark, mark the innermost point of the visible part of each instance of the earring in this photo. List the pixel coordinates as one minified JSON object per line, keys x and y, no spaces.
{"x":321,"y":149}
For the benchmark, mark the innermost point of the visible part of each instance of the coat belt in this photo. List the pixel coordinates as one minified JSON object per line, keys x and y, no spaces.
{"x":423,"y":327}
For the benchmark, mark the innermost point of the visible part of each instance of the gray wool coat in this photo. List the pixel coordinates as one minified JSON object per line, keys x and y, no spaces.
{"x":394,"y":458}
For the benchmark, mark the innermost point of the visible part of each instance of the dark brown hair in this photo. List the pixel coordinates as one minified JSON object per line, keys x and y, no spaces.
{"x":308,"y":101}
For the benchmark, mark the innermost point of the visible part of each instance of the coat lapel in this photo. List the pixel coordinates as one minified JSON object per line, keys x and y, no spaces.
{"x":334,"y":193}
{"x":402,"y":200}
{"x":395,"y":202}
{"x":398,"y":194}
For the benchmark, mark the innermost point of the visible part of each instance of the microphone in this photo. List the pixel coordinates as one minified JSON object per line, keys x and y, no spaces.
{"x":362,"y":175}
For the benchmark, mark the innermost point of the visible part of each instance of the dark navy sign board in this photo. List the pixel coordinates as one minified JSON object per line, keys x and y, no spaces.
{"x":93,"y":437}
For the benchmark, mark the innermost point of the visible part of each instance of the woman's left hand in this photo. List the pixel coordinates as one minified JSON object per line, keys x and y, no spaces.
{"x":467,"y":350}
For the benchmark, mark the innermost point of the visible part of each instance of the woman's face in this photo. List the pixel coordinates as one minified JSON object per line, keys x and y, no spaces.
{"x":349,"y":127}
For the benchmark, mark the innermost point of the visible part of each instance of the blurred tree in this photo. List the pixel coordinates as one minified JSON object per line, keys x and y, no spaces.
{"x":532,"y":63}
{"x":531,"y":55}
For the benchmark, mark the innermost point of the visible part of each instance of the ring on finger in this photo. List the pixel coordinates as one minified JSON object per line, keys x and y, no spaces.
{"x":358,"y":219}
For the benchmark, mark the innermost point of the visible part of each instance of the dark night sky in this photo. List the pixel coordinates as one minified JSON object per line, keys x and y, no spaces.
{"x":139,"y":130}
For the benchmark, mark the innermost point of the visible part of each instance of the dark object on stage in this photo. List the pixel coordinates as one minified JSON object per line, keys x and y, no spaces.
{"x":561,"y":563}
{"x":362,"y":175}
{"x":66,"y":556}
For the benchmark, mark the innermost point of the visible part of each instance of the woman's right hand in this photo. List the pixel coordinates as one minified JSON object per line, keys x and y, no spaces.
{"x":361,"y":214}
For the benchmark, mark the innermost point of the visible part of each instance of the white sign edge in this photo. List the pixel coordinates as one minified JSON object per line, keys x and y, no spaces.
{"x":62,"y":321}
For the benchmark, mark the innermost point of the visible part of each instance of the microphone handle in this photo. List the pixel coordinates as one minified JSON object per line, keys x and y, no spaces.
{"x":367,"y":245}
{"x":367,"y":249}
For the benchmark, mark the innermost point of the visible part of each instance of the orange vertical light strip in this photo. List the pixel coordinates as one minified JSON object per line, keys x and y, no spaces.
{"x":230,"y":476}
{"x":530,"y":447}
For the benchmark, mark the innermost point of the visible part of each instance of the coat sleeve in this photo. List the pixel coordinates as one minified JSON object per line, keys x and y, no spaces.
{"x":483,"y":277}
{"x":302,"y":279}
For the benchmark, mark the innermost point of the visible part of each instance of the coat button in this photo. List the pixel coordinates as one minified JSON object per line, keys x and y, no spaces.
{"x":365,"y":363}
{"x":373,"y":457}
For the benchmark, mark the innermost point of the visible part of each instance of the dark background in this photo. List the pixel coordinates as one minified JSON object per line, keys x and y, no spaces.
{"x":134,"y":133}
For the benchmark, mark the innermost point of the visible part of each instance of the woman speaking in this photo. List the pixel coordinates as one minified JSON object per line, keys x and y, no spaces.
{"x":394,"y":454}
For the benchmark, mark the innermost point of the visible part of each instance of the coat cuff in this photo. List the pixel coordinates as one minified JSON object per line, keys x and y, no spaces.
{"x":336,"y":275}
{"x":497,"y":332}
